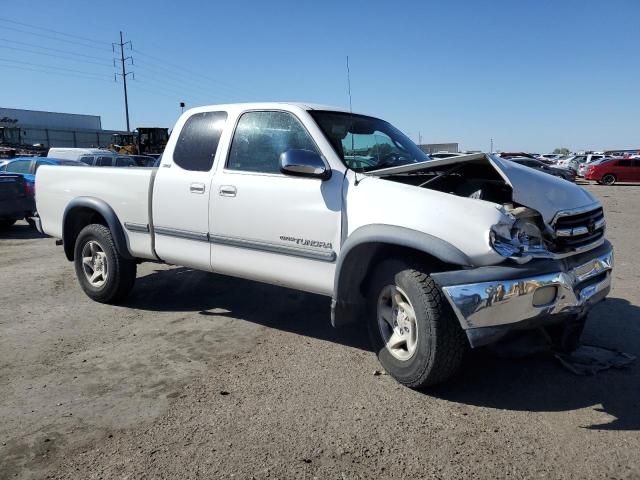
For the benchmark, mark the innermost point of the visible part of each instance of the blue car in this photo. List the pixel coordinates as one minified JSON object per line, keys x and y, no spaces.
{"x":27,"y":166}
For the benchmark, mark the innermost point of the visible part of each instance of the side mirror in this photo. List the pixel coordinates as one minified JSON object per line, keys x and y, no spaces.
{"x":304,"y":163}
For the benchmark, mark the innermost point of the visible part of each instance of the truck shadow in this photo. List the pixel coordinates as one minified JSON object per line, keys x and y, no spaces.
{"x":20,"y":231}
{"x":184,"y":289}
{"x":539,"y":384}
{"x":536,"y":384}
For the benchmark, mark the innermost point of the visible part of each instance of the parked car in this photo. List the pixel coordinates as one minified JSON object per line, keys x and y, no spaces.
{"x":610,"y":171}
{"x":143,"y":160}
{"x":574,"y":161}
{"x":108,"y":160}
{"x":76,"y":153}
{"x":28,"y":166}
{"x":432,"y":255}
{"x":582,"y":167}
{"x":567,"y":174}
{"x":16,"y":199}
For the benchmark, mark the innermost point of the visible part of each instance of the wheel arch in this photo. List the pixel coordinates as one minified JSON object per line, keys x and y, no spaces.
{"x":83,"y":211}
{"x":370,"y":244}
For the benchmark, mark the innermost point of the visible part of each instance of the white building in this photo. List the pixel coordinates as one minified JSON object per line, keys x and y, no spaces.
{"x":53,"y":129}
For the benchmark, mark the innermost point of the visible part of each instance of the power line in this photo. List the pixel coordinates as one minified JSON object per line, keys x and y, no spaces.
{"x":54,"y":72}
{"x":53,"y":55}
{"x":184,"y":70}
{"x":6,"y":20}
{"x":53,"y":67}
{"x":67,"y":52}
{"x":177,"y":89}
{"x":200,"y":90}
{"x":53,"y":38}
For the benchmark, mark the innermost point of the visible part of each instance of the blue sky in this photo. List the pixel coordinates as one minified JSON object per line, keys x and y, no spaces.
{"x":532,"y":75}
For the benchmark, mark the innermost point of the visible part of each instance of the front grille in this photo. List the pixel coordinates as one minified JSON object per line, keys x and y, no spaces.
{"x":573,"y":232}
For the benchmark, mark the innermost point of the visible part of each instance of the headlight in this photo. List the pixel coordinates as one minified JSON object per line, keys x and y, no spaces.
{"x":519,"y":239}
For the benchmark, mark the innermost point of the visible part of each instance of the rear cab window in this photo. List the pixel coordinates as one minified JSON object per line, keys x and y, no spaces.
{"x":197,"y":144}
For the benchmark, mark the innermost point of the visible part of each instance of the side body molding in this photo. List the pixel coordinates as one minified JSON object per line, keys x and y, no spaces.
{"x":98,"y":206}
{"x":362,"y":248}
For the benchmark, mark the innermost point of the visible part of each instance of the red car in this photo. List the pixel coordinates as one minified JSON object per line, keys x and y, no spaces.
{"x":614,"y":170}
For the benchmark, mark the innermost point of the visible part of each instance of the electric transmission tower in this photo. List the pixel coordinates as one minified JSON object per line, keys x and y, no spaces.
{"x":123,"y":73}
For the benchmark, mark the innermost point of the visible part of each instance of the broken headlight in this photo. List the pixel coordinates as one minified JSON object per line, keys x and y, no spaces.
{"x":521,"y":238}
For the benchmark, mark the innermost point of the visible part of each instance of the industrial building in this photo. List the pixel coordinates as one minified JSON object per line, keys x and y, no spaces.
{"x":438,"y":147}
{"x":53,"y":129}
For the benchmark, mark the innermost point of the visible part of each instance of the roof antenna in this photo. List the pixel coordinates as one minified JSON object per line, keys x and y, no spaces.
{"x":351,"y":112}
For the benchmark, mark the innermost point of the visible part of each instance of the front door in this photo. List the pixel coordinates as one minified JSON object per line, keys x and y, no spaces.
{"x":181,"y":192}
{"x":268,"y":226}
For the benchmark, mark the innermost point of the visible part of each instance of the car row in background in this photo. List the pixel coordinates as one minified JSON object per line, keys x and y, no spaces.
{"x":564,"y":173}
{"x":99,"y":157}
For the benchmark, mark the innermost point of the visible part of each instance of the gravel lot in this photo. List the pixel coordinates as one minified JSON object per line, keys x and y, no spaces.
{"x":202,"y":376}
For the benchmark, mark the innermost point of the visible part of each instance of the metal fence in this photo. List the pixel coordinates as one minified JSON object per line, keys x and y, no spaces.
{"x":50,"y":137}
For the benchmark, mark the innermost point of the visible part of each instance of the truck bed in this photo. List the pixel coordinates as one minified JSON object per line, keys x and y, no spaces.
{"x":126,"y":190}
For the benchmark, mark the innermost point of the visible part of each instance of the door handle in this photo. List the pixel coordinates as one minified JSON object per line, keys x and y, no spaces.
{"x":197,"y":188}
{"x":228,"y":191}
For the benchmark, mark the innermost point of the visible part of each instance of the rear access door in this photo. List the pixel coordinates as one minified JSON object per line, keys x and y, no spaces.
{"x":180,"y":212}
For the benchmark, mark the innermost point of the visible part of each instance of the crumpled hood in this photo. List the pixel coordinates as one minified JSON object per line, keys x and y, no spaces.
{"x":537,"y":190}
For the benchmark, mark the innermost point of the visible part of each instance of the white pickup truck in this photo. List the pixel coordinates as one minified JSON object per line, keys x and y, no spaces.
{"x":432,"y":256}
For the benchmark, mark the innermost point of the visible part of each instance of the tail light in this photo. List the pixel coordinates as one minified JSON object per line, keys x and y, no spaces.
{"x":30,"y":189}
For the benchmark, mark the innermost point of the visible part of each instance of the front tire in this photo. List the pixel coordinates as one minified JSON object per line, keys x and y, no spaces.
{"x":608,"y":179}
{"x":104,"y":274}
{"x":414,"y":332}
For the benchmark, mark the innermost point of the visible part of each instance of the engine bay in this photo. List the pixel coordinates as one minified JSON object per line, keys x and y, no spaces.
{"x":473,"y":179}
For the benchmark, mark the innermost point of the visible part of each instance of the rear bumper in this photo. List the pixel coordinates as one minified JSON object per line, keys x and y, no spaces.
{"x":492,"y":301}
{"x":17,"y":208}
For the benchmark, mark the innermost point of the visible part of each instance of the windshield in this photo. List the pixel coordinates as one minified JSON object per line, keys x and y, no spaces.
{"x":367,"y":143}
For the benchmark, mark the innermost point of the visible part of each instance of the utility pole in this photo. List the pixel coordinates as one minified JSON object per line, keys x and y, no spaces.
{"x":419,"y":138}
{"x":491,"y":150}
{"x":124,"y":73}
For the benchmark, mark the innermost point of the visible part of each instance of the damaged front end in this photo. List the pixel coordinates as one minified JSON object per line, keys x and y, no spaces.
{"x":543,"y":216}
{"x":556,"y":263}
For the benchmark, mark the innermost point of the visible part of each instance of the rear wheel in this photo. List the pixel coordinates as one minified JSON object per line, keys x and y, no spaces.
{"x":414,"y":332}
{"x":104,"y":274}
{"x":608,"y":179}
{"x":6,"y":222}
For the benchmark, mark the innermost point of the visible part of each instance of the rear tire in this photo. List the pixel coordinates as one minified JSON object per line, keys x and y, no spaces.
{"x":608,"y":179}
{"x":7,"y":222}
{"x":434,"y":343}
{"x":104,"y":274}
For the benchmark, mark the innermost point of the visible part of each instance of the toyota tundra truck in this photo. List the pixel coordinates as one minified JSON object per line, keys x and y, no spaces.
{"x":429,"y":256}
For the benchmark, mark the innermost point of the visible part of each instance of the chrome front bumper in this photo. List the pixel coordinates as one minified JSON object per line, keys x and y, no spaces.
{"x":498,"y":303}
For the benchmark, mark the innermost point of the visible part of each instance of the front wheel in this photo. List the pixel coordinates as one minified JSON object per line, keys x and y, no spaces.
{"x":608,"y":179}
{"x":417,"y":337}
{"x":104,"y":274}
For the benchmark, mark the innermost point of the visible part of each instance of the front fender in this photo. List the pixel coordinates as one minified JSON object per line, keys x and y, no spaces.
{"x":359,"y":250}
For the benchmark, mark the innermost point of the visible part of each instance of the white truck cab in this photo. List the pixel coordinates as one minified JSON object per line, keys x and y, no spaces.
{"x":432,"y":256}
